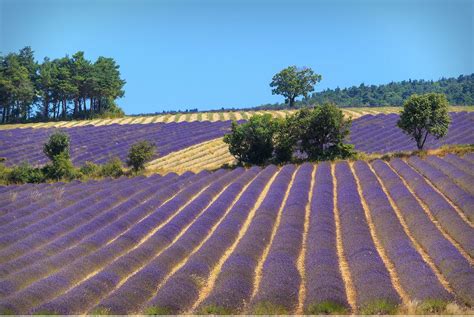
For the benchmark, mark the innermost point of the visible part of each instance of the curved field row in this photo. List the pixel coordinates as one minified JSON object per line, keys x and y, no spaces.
{"x":98,"y":144}
{"x":193,"y":145}
{"x":344,"y":237}
{"x":205,"y":116}
{"x":208,"y":155}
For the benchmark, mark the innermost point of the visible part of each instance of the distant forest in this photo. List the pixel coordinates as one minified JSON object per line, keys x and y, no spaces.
{"x":459,"y":91}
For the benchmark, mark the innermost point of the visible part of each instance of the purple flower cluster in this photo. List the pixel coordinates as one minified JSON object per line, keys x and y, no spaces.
{"x":461,"y":178}
{"x":49,"y":228}
{"x":234,"y":285}
{"x":281,"y":280}
{"x":438,"y":206}
{"x":142,"y":286}
{"x":456,"y":269}
{"x":380,"y":134}
{"x":465,"y":164}
{"x":460,"y":197}
{"x":415,"y":276}
{"x":107,"y":225}
{"x":323,"y":277}
{"x":98,"y":143}
{"x":368,"y":272}
{"x":71,"y":273}
{"x":182,"y":289}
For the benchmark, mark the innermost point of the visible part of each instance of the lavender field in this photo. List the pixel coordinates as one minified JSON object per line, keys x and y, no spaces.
{"x":380,"y":134}
{"x":369,"y":133}
{"x":99,"y":144}
{"x":292,"y":238}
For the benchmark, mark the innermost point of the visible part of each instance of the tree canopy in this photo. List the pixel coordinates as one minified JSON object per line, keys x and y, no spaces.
{"x":423,"y":115}
{"x":315,"y":134}
{"x":458,"y":91}
{"x":292,"y":82}
{"x":67,"y":87}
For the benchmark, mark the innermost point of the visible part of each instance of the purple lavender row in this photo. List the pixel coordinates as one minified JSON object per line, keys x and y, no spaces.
{"x":40,"y":269}
{"x":370,"y":277}
{"x":52,"y":264}
{"x":469,"y":157}
{"x":234,"y":286}
{"x":324,"y":282}
{"x":44,"y":231}
{"x":380,"y":133}
{"x":122,"y":217}
{"x":47,"y":289}
{"x":438,"y":206}
{"x":415,"y":276}
{"x":143,"y":285}
{"x":461,"y":178}
{"x":28,"y":217}
{"x":461,"y":198}
{"x":444,"y":255}
{"x":13,"y":201}
{"x":181,"y":290}
{"x":281,"y":280}
{"x":461,"y":163}
{"x":48,"y":202}
{"x":83,"y":297}
{"x":16,"y":194}
{"x":87,"y":143}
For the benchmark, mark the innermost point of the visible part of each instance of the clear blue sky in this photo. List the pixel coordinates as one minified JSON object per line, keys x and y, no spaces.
{"x":209,"y":54}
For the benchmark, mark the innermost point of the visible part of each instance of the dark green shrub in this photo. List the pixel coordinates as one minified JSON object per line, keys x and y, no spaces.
{"x":4,"y":174}
{"x":61,"y":168}
{"x":90,"y":169}
{"x":423,"y":115}
{"x":252,"y":142}
{"x":113,"y":168}
{"x":285,"y":139}
{"x":323,"y":131}
{"x":140,"y":153}
{"x":58,"y":143}
{"x":25,"y":173}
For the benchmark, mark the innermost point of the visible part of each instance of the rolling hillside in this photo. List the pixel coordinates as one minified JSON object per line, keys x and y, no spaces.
{"x":290,"y":238}
{"x":204,"y":116}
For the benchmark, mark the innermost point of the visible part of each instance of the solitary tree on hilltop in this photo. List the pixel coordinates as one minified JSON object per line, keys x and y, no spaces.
{"x":292,"y":82}
{"x":423,"y":115}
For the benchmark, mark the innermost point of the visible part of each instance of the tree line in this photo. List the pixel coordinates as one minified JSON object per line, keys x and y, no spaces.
{"x":319,"y":133}
{"x":458,"y":91}
{"x":61,"y":88}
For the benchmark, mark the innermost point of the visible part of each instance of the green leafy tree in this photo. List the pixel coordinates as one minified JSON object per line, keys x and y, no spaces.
{"x":17,"y":91}
{"x":423,"y":115}
{"x":25,"y":173}
{"x":252,"y":142}
{"x":323,"y":131}
{"x":58,"y":143}
{"x":140,"y":153}
{"x":81,"y":72}
{"x":292,"y":82}
{"x":57,"y":150}
{"x":61,"y":167}
{"x":113,"y":168}
{"x":105,"y":83}
{"x":287,"y":135}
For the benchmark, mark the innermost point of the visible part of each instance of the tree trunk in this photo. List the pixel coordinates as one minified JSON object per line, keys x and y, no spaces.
{"x":46,"y":108}
{"x":64,"y":108}
{"x":424,"y":140}
{"x":292,"y":102}
{"x":76,"y":106}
